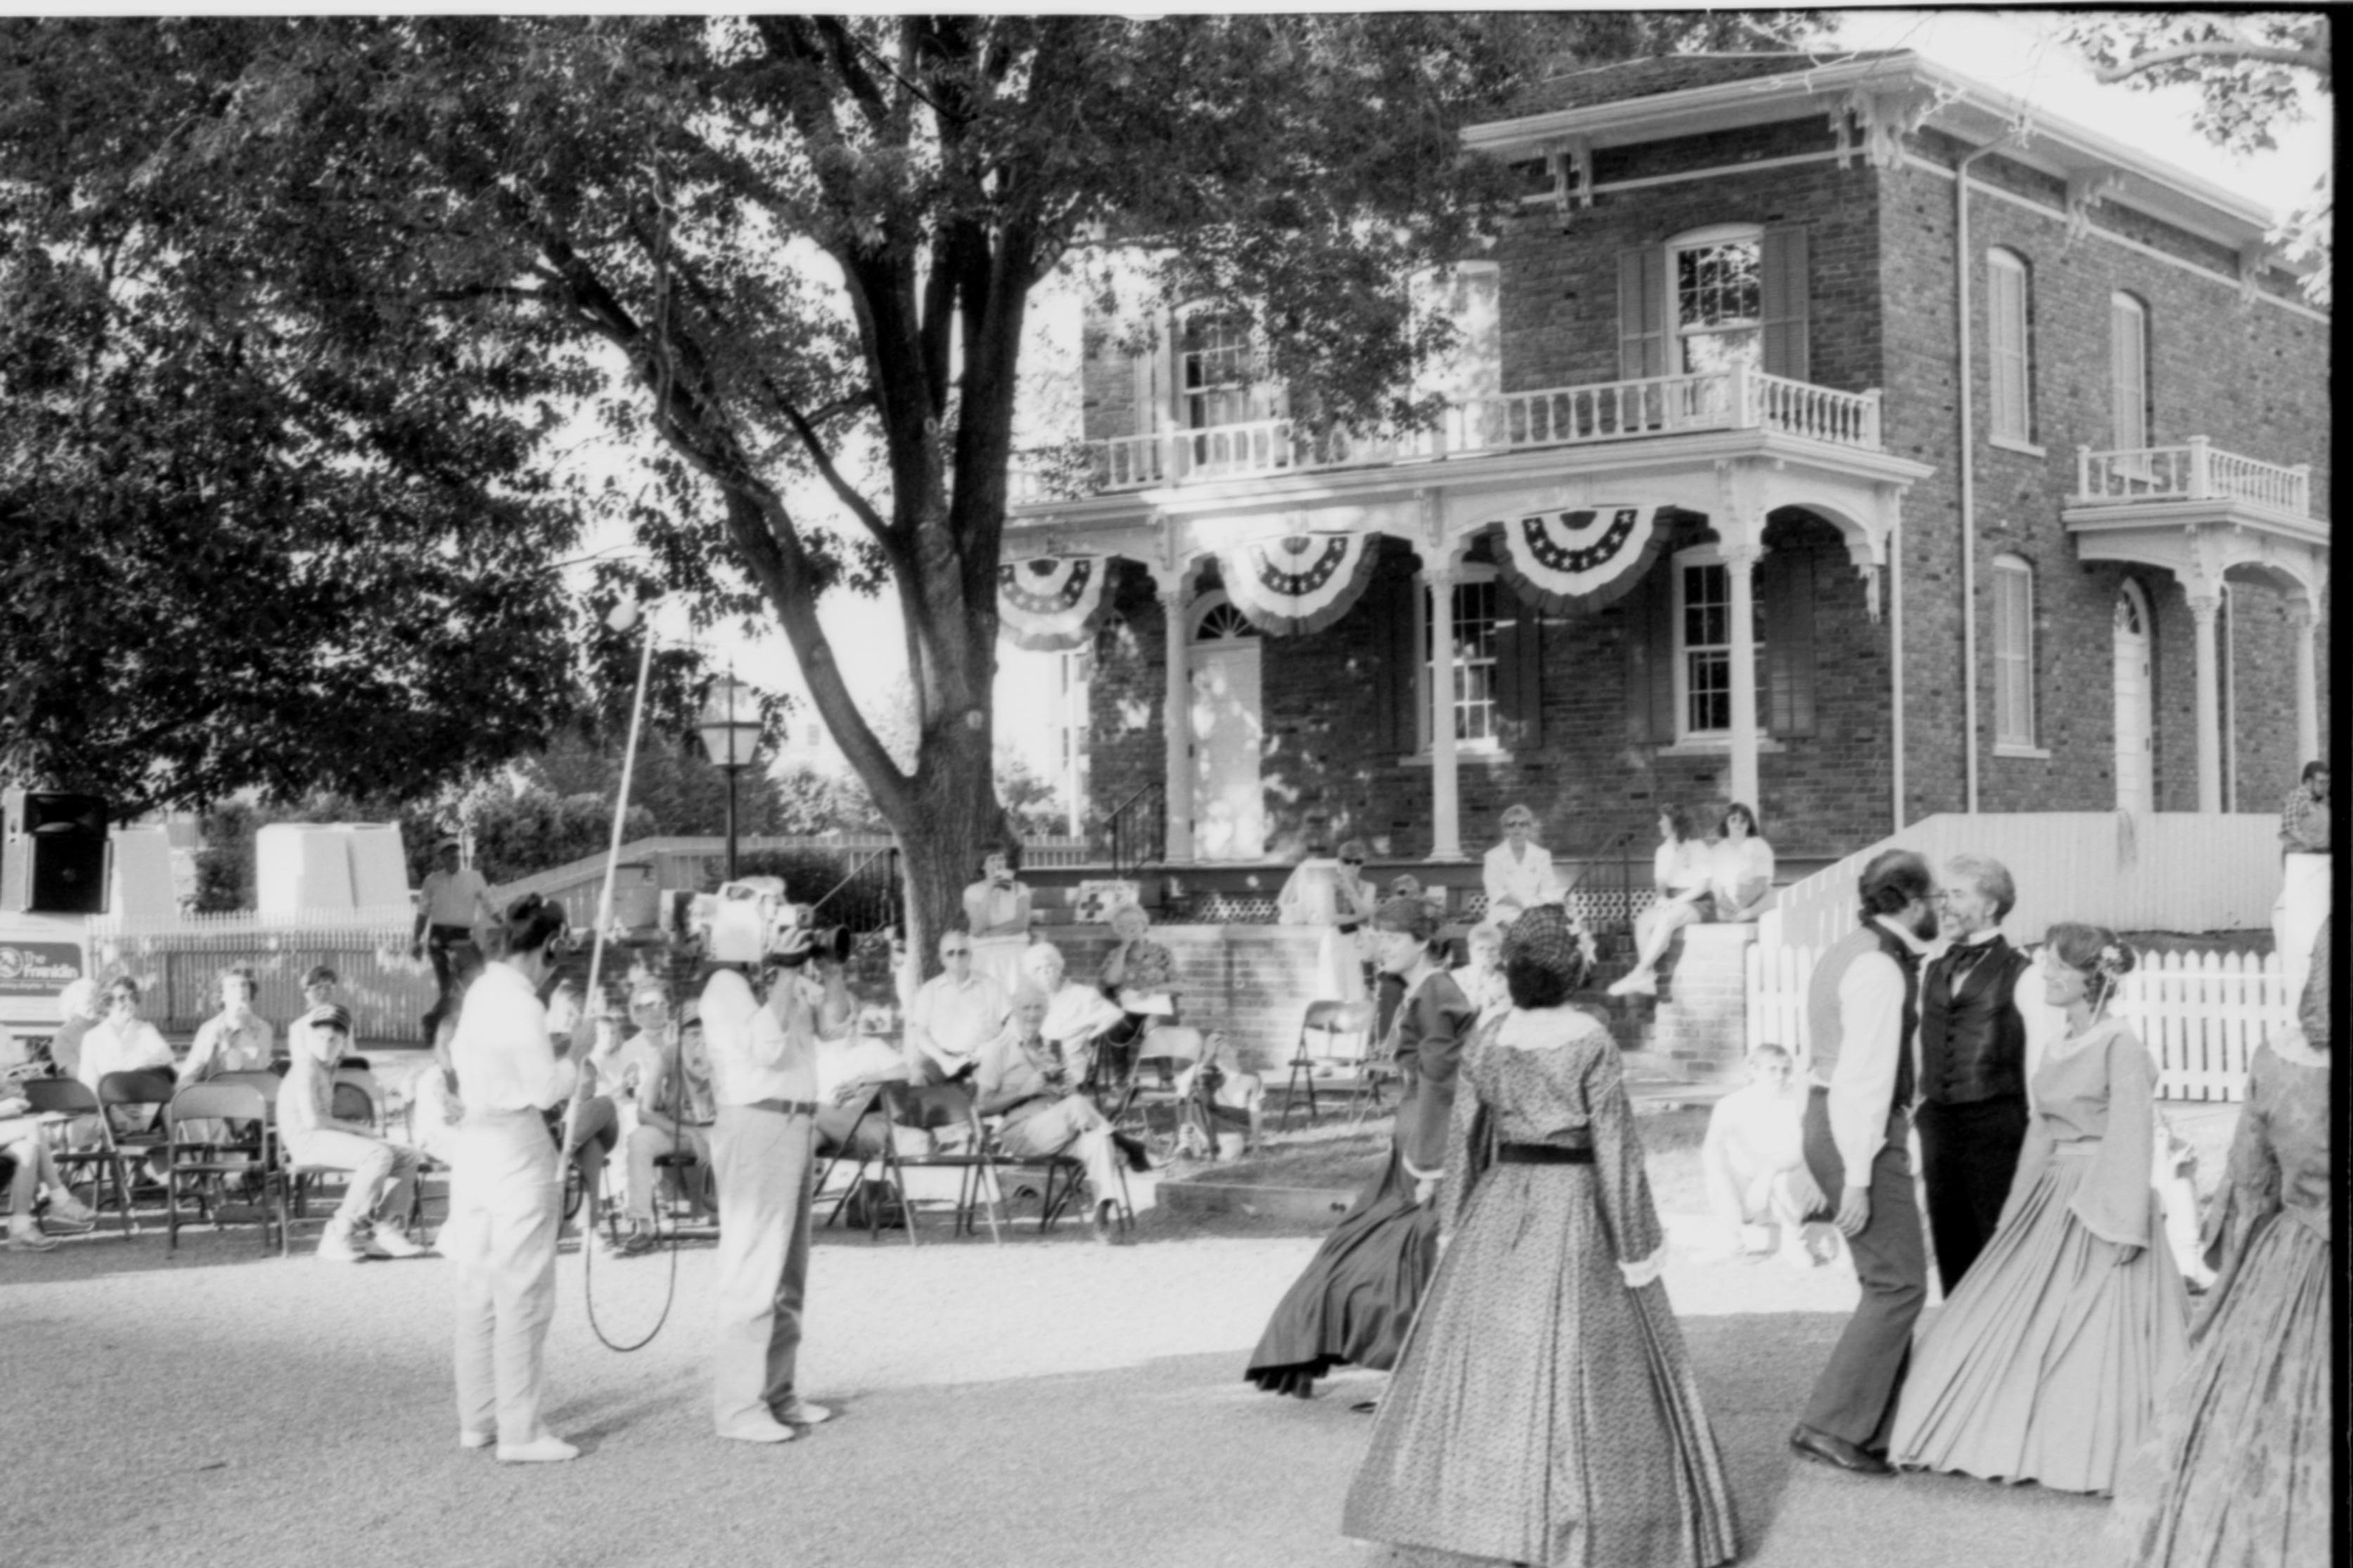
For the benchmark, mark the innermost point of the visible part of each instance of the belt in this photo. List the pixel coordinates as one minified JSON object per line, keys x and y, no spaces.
{"x":1348,"y":927}
{"x":785,"y":1107}
{"x":1543,"y":1154}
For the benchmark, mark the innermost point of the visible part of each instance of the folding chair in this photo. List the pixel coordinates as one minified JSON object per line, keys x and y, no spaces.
{"x":867,"y":1104}
{"x":1328,"y":1023}
{"x":943,"y":1106}
{"x":192,"y":1155}
{"x":70,"y":1096}
{"x":353,"y":1102}
{"x":1164,"y":1054}
{"x":148,"y":1088}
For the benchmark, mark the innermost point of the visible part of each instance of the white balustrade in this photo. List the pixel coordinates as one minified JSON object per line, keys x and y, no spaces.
{"x":2194,"y":471}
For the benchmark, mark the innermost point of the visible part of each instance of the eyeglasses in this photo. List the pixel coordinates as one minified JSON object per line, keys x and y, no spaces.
{"x":956,"y":953}
{"x":122,"y":999}
{"x":1352,"y":862}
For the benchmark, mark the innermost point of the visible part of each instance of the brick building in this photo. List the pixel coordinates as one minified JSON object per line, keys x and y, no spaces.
{"x":1721,"y":510}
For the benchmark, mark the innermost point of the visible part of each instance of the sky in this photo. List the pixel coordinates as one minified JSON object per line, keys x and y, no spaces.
{"x":2020,"y":53}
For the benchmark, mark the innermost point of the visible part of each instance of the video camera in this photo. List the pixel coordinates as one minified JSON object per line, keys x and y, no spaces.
{"x":751,"y":921}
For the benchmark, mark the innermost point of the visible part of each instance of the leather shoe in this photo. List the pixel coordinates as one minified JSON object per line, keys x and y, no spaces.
{"x":795,"y":1411}
{"x":1826,"y":1449}
{"x":758,"y":1431}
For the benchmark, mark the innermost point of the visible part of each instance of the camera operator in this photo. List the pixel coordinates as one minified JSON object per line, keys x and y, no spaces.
{"x":764,"y":1076}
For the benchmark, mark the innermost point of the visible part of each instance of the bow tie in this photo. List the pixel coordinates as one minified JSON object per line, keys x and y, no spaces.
{"x":1963,"y":956}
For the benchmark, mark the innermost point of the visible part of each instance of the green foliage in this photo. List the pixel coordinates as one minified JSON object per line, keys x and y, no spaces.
{"x":673,"y":784}
{"x":537,"y":830}
{"x":811,"y":801}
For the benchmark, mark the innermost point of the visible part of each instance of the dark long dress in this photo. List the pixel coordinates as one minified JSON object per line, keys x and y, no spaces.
{"x":1544,"y":1411}
{"x":2239,"y":1470}
{"x":1356,"y":1300}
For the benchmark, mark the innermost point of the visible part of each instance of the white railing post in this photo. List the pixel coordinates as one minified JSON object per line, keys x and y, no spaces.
{"x":1744,"y":408}
{"x":2300,"y":490}
{"x":2201,"y":471}
{"x":1870,"y":418}
{"x":2083,"y":470}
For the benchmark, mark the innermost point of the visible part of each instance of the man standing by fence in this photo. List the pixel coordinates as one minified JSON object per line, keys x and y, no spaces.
{"x":453,"y":898}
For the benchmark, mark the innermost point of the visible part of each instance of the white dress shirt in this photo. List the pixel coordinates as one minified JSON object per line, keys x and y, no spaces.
{"x":1521,"y":883}
{"x":504,"y":1059}
{"x":223,"y":1047}
{"x":106,"y":1048}
{"x":950,"y":1022}
{"x":754,"y":1056}
{"x":1870,"y":1029}
{"x":1740,"y":876}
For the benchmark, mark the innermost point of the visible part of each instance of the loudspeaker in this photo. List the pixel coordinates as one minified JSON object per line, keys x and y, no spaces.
{"x":53,"y":860}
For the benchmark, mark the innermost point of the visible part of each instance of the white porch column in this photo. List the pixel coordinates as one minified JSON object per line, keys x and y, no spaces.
{"x":2307,"y":686}
{"x":1740,"y":580}
{"x":2203,"y":608}
{"x":1445,"y":786}
{"x":1176,"y":723}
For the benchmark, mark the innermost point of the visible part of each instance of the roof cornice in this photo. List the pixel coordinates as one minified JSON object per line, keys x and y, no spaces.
{"x":1957,"y":105}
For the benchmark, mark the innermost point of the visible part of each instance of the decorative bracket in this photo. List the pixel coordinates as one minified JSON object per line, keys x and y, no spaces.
{"x":2085,"y":192}
{"x":1883,"y":120}
{"x":1571,"y":163}
{"x":2254,"y":256}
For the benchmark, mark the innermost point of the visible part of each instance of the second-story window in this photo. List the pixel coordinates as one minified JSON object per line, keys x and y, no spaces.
{"x":2010,"y":330}
{"x":2128,"y":371}
{"x":2013,"y":653}
{"x":1214,"y":362}
{"x":1718,"y":281}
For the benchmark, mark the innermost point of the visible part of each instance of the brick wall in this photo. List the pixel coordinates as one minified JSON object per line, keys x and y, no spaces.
{"x":1253,"y":982}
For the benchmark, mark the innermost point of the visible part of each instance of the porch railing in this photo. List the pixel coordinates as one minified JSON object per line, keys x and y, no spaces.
{"x":2195,"y":470}
{"x":866,"y":897}
{"x":1136,"y":832}
{"x":1739,"y":398}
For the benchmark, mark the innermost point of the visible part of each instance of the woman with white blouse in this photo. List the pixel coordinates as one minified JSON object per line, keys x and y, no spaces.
{"x":1680,"y":871}
{"x":1740,"y":867}
{"x":1518,"y":872}
{"x":506,"y":1189}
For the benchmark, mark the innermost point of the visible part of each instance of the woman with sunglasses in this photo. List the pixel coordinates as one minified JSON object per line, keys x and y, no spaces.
{"x":506,"y":1188}
{"x":122,"y":1041}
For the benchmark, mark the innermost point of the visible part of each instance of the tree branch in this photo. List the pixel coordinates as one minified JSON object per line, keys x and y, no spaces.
{"x":2311,"y":59}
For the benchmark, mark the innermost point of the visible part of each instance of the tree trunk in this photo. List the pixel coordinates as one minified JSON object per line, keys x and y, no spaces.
{"x":955,"y":817}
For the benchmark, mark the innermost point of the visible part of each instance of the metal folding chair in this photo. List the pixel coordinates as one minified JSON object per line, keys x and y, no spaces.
{"x":1326,"y":1025}
{"x":939,"y":1108}
{"x":149,"y":1090}
{"x":70,"y":1097}
{"x":200,"y":1160}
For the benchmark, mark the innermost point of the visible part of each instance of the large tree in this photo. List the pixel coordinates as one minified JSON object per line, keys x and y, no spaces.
{"x":791,"y":258}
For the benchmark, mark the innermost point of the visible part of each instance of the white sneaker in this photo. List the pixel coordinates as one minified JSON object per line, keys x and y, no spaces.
{"x":391,"y":1241}
{"x":337,"y":1246}
{"x":547,"y":1449}
{"x":799,"y":1412}
{"x":758,"y":1431}
{"x":473,"y":1441}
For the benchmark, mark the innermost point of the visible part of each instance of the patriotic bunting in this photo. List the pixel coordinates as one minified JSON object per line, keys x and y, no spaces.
{"x":1576,"y":561}
{"x":1286,"y":587}
{"x":1050,"y":605}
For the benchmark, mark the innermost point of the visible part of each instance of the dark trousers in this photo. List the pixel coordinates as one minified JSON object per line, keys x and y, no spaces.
{"x":441,"y":942}
{"x":1968,"y":1155}
{"x":1854,"y":1398}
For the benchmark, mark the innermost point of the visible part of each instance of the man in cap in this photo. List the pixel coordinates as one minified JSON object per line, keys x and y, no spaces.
{"x":453,"y":898}
{"x":377,"y":1200}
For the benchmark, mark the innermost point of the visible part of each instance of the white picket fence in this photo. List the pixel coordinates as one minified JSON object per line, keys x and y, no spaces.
{"x":2200,"y":1013}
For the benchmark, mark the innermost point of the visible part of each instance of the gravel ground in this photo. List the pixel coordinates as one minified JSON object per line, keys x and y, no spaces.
{"x":1045,"y":1403}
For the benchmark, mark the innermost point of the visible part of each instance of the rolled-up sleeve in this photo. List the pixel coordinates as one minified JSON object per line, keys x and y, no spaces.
{"x":1862,"y":1084}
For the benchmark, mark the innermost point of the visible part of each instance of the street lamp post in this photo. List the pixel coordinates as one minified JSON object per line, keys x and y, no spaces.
{"x":731,"y":734}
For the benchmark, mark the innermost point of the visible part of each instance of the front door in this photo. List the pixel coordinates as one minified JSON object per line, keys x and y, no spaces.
{"x":2136,"y":773}
{"x":1228,"y":806}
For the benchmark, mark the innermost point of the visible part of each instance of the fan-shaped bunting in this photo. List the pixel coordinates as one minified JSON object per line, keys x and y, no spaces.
{"x":1576,"y":561}
{"x":1050,"y":605}
{"x":1302,"y":584}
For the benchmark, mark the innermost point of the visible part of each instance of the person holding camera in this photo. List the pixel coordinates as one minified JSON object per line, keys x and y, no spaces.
{"x":506,"y":1189}
{"x":764,"y":1078}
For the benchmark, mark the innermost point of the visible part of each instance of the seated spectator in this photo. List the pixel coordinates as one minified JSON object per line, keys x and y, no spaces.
{"x":1138,"y":973}
{"x":1219,"y":1108}
{"x":1680,"y":871}
{"x":1024,"y":1079}
{"x":1076,"y":1014}
{"x":954,"y":1014}
{"x":675,"y":1115}
{"x":1753,"y":1147}
{"x":377,"y":1200}
{"x":122,"y":1041}
{"x":1518,"y":873}
{"x":625,"y":1064}
{"x":78,"y":1009}
{"x":1740,"y":868}
{"x":851,"y":1061}
{"x":319,"y":983}
{"x":30,"y":1172}
{"x":235,"y":1038}
{"x":1482,"y":979}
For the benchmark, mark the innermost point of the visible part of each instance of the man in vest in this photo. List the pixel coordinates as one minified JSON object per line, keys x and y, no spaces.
{"x":1973,"y":1061}
{"x":1863,"y":1009}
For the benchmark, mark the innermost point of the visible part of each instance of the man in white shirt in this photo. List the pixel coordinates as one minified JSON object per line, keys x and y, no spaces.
{"x":383,"y":1175}
{"x":1864,"y":1004}
{"x":954,"y":1014}
{"x":453,"y":898}
{"x":764,"y":1076}
{"x":1026,"y":1079}
{"x":235,"y":1038}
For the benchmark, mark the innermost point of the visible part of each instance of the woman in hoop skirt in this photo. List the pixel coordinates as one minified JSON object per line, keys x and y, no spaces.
{"x":1543,"y":1411}
{"x":1357,"y":1298}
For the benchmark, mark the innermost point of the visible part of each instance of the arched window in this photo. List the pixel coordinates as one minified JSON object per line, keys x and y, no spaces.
{"x":2010,"y":327}
{"x":2013,"y":654}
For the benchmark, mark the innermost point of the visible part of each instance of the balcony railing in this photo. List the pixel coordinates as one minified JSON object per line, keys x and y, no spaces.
{"x":2193,"y":471}
{"x":1740,"y":398}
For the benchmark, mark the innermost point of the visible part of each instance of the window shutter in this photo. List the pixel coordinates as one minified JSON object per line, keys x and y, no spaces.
{"x":1396,"y":686}
{"x":1519,"y":672}
{"x":2128,"y":374}
{"x":2006,"y":341}
{"x":1651,"y":658}
{"x":2013,"y":634}
{"x":1786,"y":285}
{"x":1788,"y":682}
{"x":1641,"y":313}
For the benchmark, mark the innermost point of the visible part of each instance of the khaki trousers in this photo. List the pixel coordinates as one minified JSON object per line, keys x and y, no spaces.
{"x":506,"y":1197}
{"x":761,"y":1160}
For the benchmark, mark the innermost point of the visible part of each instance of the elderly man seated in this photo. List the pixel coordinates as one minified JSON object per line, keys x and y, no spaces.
{"x":27,"y":1167}
{"x":1026,"y":1080}
{"x":952,"y":1015}
{"x":675,"y":1115}
{"x":1077,"y":1015}
{"x":373,"y":1215}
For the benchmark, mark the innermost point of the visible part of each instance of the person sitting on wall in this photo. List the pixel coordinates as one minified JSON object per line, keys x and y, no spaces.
{"x":235,"y":1038}
{"x":953,"y":1015}
{"x":1680,"y":871}
{"x":1740,"y":867}
{"x":1518,"y":873}
{"x":1753,"y":1146}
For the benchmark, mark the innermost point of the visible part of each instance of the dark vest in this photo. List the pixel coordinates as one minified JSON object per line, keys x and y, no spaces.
{"x":1972,"y":1040}
{"x":1822,"y":1009}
